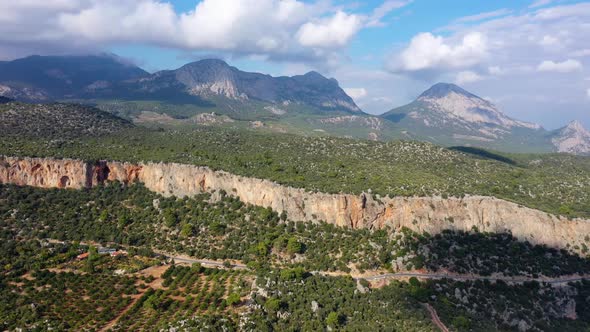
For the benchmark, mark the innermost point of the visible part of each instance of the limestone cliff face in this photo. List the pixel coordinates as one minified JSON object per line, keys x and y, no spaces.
{"x":430,"y":214}
{"x":38,"y":172}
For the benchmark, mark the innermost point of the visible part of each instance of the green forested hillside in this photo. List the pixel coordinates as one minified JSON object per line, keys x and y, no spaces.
{"x":56,"y":122}
{"x":556,"y":183}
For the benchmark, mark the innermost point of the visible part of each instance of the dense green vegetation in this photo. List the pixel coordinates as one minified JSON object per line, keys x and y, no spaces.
{"x":187,"y":292}
{"x":228,"y":229}
{"x":554,"y":183}
{"x":485,"y":306}
{"x":56,"y":121}
{"x":313,"y":303}
{"x":63,"y":301}
{"x":316,"y":302}
{"x":486,"y":254}
{"x":281,"y":290}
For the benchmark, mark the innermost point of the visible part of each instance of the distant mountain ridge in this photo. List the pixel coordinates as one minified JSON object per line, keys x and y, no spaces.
{"x":310,"y":104}
{"x":40,"y":78}
{"x":215,"y":78}
{"x":447,"y":106}
{"x":467,"y":107}
{"x":449,"y":115}
{"x":43,"y":78}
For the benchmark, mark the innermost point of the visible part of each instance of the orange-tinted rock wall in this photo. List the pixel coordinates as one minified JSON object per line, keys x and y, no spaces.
{"x":429,"y":214}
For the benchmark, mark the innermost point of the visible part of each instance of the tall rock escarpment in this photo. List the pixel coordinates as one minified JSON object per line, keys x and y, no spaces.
{"x":421,"y":214}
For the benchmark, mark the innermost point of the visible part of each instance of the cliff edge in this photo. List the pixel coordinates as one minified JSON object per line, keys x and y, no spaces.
{"x":420,"y":214}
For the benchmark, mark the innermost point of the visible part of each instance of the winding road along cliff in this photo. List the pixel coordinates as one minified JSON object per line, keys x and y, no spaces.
{"x":430,"y":214}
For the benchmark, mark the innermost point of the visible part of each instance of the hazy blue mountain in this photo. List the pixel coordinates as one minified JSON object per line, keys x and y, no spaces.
{"x":43,"y":78}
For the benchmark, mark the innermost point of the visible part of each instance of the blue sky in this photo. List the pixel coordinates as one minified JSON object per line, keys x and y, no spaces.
{"x":416,"y":17}
{"x":531,"y":58}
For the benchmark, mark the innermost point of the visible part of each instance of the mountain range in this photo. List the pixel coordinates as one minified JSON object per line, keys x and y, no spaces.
{"x":213,"y":92}
{"x":203,"y":83}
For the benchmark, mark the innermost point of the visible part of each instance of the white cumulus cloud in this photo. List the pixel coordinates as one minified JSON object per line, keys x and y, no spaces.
{"x":356,"y":93}
{"x":427,"y":51}
{"x":109,"y":20}
{"x":278,"y":29}
{"x":334,"y":31}
{"x":467,"y":77}
{"x":566,"y":66}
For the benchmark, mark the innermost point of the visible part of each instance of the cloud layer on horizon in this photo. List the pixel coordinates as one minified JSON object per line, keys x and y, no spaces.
{"x":287,"y":30}
{"x":534,"y":61}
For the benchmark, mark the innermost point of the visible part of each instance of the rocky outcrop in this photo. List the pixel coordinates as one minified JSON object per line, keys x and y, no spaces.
{"x":422,"y":214}
{"x":24,"y":93}
{"x":573,"y":138}
{"x":43,"y":173}
{"x":371,"y":122}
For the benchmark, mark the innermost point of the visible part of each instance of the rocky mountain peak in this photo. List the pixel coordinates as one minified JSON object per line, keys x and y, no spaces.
{"x":212,"y":65}
{"x":458,"y":105}
{"x":210,"y":62}
{"x":313,"y":78}
{"x":573,"y":138}
{"x":314,"y":75}
{"x":205,"y":69}
{"x":210,"y":77}
{"x":440,"y":90}
{"x":576,"y":126}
